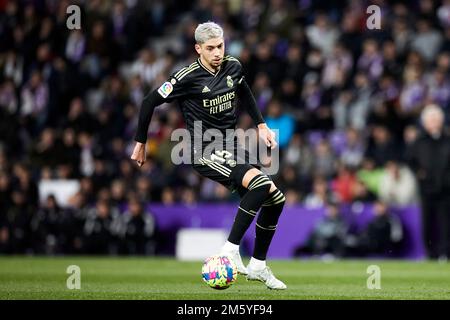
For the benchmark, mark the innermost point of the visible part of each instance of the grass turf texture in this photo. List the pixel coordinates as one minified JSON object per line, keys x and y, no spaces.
{"x":158,"y":278}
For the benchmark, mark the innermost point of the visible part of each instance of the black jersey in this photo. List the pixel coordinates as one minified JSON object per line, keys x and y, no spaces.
{"x":206,"y":96}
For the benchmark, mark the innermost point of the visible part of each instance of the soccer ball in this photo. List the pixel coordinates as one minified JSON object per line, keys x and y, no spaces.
{"x":219,"y":272}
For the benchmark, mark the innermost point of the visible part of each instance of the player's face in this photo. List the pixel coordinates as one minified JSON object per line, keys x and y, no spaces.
{"x":212,"y":51}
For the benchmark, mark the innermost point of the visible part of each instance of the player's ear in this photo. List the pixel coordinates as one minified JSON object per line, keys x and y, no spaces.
{"x":198,"y":48}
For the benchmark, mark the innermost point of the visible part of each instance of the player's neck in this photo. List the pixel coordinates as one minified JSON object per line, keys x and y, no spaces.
{"x":208,"y":66}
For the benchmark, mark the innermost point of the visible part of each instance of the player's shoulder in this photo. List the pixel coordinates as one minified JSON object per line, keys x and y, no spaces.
{"x":185,"y":72}
{"x":229,"y":59}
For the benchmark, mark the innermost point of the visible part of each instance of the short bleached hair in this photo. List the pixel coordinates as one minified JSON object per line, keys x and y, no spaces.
{"x":430,"y":110}
{"x":206,"y":31}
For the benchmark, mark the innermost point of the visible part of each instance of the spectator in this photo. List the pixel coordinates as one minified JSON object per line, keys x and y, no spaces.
{"x":278,"y":18}
{"x":25,"y":185}
{"x":382,"y":146}
{"x":262,"y":91}
{"x":78,"y":118}
{"x":294,"y":66}
{"x":324,"y":159}
{"x":353,"y":153}
{"x":101,"y":229}
{"x":398,"y":185}
{"x":443,"y":13}
{"x":299,"y":155}
{"x":360,"y":193}
{"x":433,"y":176}
{"x":280,"y":121}
{"x":328,"y":235}
{"x":34,"y":103}
{"x":71,"y":151}
{"x":148,"y":66}
{"x":371,"y":60}
{"x":320,"y":194}
{"x":292,"y":197}
{"x":16,"y":235}
{"x":118,"y":192}
{"x":344,"y":184}
{"x":439,"y":89}
{"x":352,"y":108}
{"x":427,"y":41}
{"x":288,"y":179}
{"x":413,"y":94}
{"x":338,"y":64}
{"x":8,"y":98}
{"x":75,"y":46}
{"x":322,"y":34}
{"x":382,"y":236}
{"x":77,"y":213}
{"x":138,"y":229}
{"x":168,"y":196}
{"x":48,"y":226}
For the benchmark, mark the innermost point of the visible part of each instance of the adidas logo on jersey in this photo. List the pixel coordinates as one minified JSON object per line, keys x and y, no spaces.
{"x":205,"y":89}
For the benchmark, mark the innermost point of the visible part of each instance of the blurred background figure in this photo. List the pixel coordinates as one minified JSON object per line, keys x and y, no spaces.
{"x":138,"y":229}
{"x":101,"y":229}
{"x":381,"y":236}
{"x":398,"y":185}
{"x":429,"y":158}
{"x":49,"y":226}
{"x":328,"y":237}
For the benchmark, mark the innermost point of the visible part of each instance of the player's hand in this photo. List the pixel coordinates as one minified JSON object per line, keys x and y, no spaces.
{"x":267,"y":135}
{"x":139,"y":154}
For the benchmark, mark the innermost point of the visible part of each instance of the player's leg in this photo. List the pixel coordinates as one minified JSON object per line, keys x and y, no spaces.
{"x":267,"y":222}
{"x":265,"y":229}
{"x":273,"y":201}
{"x":257,"y":186}
{"x":228,"y":176}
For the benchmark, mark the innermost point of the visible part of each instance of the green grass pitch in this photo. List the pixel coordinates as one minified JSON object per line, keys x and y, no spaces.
{"x":164,"y":278}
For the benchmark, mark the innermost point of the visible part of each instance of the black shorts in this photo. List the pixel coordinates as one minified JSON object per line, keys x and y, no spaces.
{"x":227,"y":167}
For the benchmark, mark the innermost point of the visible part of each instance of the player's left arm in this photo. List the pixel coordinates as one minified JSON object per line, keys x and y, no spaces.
{"x":248,"y":100}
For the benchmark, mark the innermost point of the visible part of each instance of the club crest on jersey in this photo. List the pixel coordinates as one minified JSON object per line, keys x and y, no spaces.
{"x":229,"y":81}
{"x":165,"y":89}
{"x":231,"y":163}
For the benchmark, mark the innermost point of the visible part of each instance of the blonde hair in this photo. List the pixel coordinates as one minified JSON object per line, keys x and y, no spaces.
{"x":206,"y":31}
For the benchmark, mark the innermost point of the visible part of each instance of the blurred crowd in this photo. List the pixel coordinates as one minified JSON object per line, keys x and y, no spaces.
{"x":345,"y":99}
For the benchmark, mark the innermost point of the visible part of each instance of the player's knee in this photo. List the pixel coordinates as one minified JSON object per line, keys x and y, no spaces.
{"x":275,"y":198}
{"x":260,"y":182}
{"x":250,"y":176}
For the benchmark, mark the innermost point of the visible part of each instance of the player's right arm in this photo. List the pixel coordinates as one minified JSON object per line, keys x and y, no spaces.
{"x":172,"y":89}
{"x":149,"y":103}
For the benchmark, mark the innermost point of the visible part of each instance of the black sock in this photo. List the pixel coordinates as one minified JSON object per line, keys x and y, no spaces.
{"x":267,"y":223}
{"x":258,"y":190}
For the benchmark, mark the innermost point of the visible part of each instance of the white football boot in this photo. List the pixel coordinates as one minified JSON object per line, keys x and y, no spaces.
{"x":236,"y":257}
{"x":266,"y":276}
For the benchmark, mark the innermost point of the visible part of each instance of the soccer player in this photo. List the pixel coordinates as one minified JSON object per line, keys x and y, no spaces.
{"x":206,"y":91}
